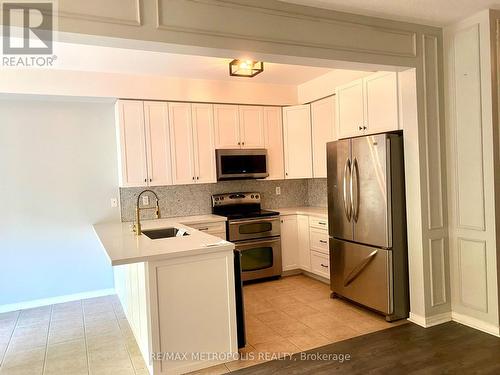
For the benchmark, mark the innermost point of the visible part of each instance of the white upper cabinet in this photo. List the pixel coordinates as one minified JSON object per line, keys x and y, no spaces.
{"x":323,"y":131}
{"x":297,"y":141}
{"x":182,"y":141}
{"x":381,"y":102}
{"x":251,"y":126}
{"x":368,"y":105}
{"x":350,"y":109}
{"x":143,"y":142}
{"x":204,"y":144}
{"x":273,"y":131}
{"x":192,"y":142}
{"x":227,"y":126}
{"x":157,"y":143}
{"x":132,"y":143}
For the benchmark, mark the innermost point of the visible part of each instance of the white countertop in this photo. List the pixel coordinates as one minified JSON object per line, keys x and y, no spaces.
{"x":122,"y":246}
{"x":321,"y":212}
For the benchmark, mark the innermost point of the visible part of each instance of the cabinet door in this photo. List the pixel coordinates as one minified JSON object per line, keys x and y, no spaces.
{"x":350,"y":109}
{"x":273,"y":130}
{"x":204,"y":145}
{"x":227,"y":126}
{"x":323,"y":131}
{"x":381,"y":102}
{"x":157,"y":143}
{"x":297,"y":141}
{"x":181,"y":140}
{"x":131,"y":143}
{"x":304,"y":243}
{"x":289,"y":243}
{"x":251,"y":126}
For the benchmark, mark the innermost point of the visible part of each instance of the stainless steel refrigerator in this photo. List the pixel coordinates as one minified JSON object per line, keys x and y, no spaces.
{"x":367,"y":223}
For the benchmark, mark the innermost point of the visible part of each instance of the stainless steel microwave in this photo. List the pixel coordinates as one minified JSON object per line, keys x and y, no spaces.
{"x":237,"y":164}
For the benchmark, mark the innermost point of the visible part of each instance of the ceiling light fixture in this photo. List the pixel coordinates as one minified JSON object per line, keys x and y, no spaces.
{"x":245,"y":68}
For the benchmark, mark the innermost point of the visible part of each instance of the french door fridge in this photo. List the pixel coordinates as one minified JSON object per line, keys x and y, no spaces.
{"x":367,"y":222}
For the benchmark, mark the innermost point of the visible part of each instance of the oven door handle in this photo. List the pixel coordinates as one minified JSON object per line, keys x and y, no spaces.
{"x":258,"y":240}
{"x":238,"y":222}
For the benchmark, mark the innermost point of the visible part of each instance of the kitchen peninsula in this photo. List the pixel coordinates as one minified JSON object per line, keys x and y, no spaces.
{"x":178,"y":292}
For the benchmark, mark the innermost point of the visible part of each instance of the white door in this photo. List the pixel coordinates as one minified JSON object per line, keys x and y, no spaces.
{"x":273,"y":130}
{"x":251,"y":126}
{"x":204,"y":145}
{"x":297,"y":141}
{"x":181,"y":140}
{"x":158,"y":143}
{"x":381,"y":102}
{"x":227,"y":126}
{"x":132,"y":143}
{"x":289,"y":243}
{"x":350,"y":109}
{"x":304,"y":242}
{"x":323,"y":131}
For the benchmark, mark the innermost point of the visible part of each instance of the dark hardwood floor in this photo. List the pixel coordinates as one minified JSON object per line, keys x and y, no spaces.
{"x":449,"y":348}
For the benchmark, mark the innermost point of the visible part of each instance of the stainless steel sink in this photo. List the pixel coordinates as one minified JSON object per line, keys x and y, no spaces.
{"x":156,"y":234}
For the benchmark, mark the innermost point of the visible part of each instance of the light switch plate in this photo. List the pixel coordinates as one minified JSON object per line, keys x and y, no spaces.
{"x":114,"y":202}
{"x":278,"y":190}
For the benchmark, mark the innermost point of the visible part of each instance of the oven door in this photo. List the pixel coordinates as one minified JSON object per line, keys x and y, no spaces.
{"x":260,"y":258}
{"x":240,"y":230}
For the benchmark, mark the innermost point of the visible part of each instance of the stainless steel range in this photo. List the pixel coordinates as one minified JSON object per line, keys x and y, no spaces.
{"x":254,"y":231}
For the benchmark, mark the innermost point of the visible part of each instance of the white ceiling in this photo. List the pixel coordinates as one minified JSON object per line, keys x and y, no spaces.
{"x":429,"y":12}
{"x":80,"y":57}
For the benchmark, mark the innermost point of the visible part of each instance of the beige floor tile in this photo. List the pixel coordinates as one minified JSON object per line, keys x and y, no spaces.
{"x":101,"y":316}
{"x":75,"y":348}
{"x":247,"y":357}
{"x":105,"y":328}
{"x":257,"y":306}
{"x":319,"y":321}
{"x":214,"y":370}
{"x":304,"y":295}
{"x":339,"y":333}
{"x":97,"y":308}
{"x":105,"y":342}
{"x":23,"y":358}
{"x":110,"y":363}
{"x":73,"y":306}
{"x":308,"y":340}
{"x":288,"y":327}
{"x":300,"y":310}
{"x":281,"y":302}
{"x":34,"y":369}
{"x":260,"y":334}
{"x":67,"y":315}
{"x":282,"y":347}
{"x":272,"y":316}
{"x":67,"y":358}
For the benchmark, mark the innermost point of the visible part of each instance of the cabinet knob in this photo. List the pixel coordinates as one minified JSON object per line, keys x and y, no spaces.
{"x":198,"y":177}
{"x":360,"y":128}
{"x":286,"y":174}
{"x":145,"y":180}
{"x":193,"y":177}
{"x":239,"y":143}
{"x":364,"y":127}
{"x":243,"y":143}
{"x":150,"y":180}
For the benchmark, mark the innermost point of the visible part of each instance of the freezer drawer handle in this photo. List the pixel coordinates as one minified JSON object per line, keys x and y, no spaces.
{"x":359,"y":268}
{"x":347,"y":207}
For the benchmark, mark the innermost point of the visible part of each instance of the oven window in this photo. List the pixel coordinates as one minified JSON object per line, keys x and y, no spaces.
{"x":240,"y":164}
{"x":257,"y":258}
{"x":258,"y":227}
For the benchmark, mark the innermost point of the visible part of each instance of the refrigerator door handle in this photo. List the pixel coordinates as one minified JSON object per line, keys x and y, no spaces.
{"x":359,"y":268}
{"x":347,"y":207}
{"x":354,"y":197}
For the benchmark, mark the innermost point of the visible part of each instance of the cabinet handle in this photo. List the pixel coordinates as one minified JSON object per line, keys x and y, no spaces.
{"x":198,"y":177}
{"x":323,"y":241}
{"x":239,"y":143}
{"x":150,"y":180}
{"x":193,"y":177}
{"x":203,"y":229}
{"x":360,"y":128}
{"x":322,"y":265}
{"x":364,"y":127}
{"x":321,"y":223}
{"x":145,"y":180}
{"x":243,"y":143}
{"x":286,"y":174}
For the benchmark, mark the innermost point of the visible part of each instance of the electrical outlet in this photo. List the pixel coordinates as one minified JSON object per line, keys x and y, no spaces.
{"x":114,"y":202}
{"x":145,"y":200}
{"x":278,"y":190}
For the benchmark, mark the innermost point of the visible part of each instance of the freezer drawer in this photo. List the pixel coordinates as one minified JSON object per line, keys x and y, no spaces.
{"x":362,"y":274}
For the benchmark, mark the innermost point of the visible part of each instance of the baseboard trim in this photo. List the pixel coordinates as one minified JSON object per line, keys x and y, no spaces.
{"x":54,"y":300}
{"x":430,"y":321}
{"x":476,"y":324}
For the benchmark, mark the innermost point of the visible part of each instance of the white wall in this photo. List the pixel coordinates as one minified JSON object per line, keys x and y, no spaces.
{"x":127,"y":86}
{"x":58,"y":171}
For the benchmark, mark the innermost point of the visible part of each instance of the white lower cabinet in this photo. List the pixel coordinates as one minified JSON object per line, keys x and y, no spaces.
{"x":180,"y":305}
{"x":305,"y":244}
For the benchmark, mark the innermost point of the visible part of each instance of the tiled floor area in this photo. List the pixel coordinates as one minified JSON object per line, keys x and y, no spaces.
{"x":84,"y":337}
{"x":295,"y":314}
{"x":92,"y":337}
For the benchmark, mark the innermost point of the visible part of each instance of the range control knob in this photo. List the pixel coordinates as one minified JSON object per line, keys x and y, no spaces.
{"x":257,"y":196}
{"x":251,"y":196}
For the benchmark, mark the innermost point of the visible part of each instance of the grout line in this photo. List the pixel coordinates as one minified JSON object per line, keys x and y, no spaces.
{"x":124,"y":340}
{"x":85,"y":337}
{"x":47,"y":340}
{"x":10,"y":339}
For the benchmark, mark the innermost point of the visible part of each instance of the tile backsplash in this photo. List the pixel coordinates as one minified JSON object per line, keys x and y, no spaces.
{"x":186,"y":200}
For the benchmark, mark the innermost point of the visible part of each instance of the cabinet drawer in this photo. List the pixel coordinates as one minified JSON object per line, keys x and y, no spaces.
{"x":316,"y":222}
{"x":218,"y":226}
{"x":319,"y":240}
{"x":320,"y":264}
{"x":221,"y":235}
